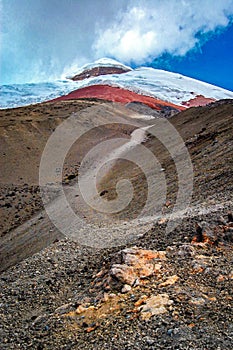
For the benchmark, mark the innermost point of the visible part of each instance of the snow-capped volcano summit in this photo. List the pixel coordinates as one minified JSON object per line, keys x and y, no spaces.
{"x":101,"y":79}
{"x":107,"y":65}
{"x":166,"y":86}
{"x":103,"y":66}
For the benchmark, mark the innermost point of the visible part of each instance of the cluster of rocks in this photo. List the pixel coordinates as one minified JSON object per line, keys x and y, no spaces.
{"x":17,"y":204}
{"x":145,"y":283}
{"x":131,"y":267}
{"x":215,"y":234}
{"x":70,"y":173}
{"x":129,"y":272}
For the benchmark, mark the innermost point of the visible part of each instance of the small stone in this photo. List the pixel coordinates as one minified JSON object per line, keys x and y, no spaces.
{"x":106,"y":297}
{"x":170,"y":280}
{"x":197,"y":301}
{"x":176,"y":331}
{"x":112,"y":295}
{"x":162,"y":221}
{"x":170,"y":332}
{"x":155,"y":305}
{"x":92,"y":327}
{"x":150,"y":341}
{"x":230,"y":217}
{"x":221,"y":220}
{"x":136,"y":282}
{"x":221,"y":278}
{"x":126,"y":288}
{"x":63,"y":309}
{"x":141,"y":301}
{"x":80,"y":309}
{"x":185,"y":251}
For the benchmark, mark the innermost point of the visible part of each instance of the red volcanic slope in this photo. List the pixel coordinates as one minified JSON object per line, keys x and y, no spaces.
{"x":116,"y":94}
{"x":199,"y":100}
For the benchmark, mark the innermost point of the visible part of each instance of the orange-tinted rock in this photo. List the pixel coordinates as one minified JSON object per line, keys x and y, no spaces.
{"x":170,"y":280}
{"x":136,"y":265}
{"x":124,"y":273}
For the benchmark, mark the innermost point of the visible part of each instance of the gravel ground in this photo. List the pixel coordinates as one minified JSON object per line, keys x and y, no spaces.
{"x":38,"y":294}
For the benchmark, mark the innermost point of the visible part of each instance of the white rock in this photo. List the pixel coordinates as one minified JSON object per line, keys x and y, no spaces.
{"x":126,"y":289}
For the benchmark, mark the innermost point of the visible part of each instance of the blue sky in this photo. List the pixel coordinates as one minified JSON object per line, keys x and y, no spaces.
{"x":42,"y":40}
{"x":212,"y":62}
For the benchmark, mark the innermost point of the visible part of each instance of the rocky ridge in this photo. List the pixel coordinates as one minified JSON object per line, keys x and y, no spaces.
{"x":96,"y":71}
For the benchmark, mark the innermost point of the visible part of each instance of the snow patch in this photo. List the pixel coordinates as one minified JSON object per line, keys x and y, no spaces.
{"x":143,"y":116}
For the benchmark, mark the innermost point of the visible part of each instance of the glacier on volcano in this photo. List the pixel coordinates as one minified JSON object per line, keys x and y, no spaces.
{"x":167,"y":86}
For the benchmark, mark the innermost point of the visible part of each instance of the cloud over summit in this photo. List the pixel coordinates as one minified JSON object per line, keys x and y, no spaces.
{"x":43,"y":39}
{"x":150,"y":28}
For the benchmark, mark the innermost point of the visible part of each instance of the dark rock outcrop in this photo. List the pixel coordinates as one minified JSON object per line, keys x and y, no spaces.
{"x":96,"y":71}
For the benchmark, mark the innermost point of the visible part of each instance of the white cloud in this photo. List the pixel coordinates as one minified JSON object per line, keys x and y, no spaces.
{"x":46,"y":39}
{"x":149,"y":28}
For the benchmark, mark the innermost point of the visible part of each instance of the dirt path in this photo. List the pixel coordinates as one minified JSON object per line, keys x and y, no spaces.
{"x":39,"y":232}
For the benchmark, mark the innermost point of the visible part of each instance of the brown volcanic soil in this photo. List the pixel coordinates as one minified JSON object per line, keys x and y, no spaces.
{"x":207,"y":132}
{"x":23,"y":135}
{"x":200,"y":316}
